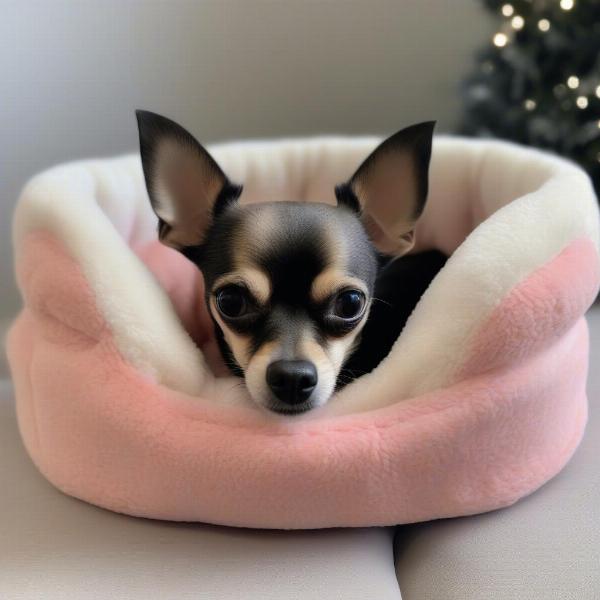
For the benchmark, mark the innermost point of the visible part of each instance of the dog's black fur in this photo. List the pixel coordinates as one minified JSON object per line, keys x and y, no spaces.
{"x":305,"y":281}
{"x":398,"y":288}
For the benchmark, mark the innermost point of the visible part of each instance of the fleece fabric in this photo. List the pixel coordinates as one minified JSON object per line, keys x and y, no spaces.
{"x":122,"y":400}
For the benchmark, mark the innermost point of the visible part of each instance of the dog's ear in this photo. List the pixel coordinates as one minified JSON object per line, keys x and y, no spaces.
{"x":389,"y":189}
{"x":186,"y":186}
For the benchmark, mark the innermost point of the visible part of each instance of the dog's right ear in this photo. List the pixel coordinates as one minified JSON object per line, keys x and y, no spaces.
{"x":389,"y":189}
{"x":186,"y":186}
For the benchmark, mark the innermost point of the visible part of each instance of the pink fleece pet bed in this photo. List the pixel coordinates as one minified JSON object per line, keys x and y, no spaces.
{"x":121,"y":401}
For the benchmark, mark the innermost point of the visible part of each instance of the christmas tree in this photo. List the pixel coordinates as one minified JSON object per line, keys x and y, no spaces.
{"x":538,"y":81}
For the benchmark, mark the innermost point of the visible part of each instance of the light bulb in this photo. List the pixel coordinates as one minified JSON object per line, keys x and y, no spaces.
{"x":517,"y":22}
{"x":543,"y":25}
{"x":508,"y":10}
{"x":567,"y":4}
{"x":573,"y":82}
{"x":530,"y":104}
{"x":500,"y":40}
{"x":582,"y":102}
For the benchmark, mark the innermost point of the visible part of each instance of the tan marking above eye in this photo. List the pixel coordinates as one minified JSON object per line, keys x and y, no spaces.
{"x":330,"y":281}
{"x":257,"y":282}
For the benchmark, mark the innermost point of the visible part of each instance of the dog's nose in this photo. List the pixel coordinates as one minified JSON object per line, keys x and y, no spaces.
{"x":292,"y":381}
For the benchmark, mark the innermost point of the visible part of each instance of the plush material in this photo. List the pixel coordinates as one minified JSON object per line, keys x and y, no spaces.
{"x":480,"y":401}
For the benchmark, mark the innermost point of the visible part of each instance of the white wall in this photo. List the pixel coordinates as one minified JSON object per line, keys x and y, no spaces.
{"x":71,"y":74}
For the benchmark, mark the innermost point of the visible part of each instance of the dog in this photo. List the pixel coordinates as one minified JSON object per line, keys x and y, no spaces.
{"x":304,"y":296}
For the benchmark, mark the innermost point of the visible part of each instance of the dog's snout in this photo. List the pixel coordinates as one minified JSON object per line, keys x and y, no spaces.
{"x":292,"y":381}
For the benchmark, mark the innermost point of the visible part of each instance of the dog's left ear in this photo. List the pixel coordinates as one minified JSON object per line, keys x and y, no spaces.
{"x":389,"y":189}
{"x":186,"y":186}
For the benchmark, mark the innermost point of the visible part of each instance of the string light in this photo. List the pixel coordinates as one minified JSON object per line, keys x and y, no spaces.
{"x":530,"y":104}
{"x":500,"y":40}
{"x":598,"y":91}
{"x":517,"y":22}
{"x":567,"y":4}
{"x":573,"y":82}
{"x":543,"y":25}
{"x":508,"y":10}
{"x":582,"y":102}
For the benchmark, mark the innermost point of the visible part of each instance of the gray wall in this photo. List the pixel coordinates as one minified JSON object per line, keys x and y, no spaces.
{"x":71,"y":74}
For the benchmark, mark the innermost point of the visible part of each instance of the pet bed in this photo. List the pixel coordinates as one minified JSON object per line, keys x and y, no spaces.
{"x":480,"y":401}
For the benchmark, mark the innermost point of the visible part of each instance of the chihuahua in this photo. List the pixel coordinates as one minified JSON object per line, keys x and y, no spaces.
{"x":290,"y":286}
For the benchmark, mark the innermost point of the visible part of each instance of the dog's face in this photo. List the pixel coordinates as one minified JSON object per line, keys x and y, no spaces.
{"x":288,"y":284}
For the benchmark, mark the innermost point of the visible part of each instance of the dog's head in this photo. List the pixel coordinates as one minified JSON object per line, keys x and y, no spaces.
{"x":288,"y":284}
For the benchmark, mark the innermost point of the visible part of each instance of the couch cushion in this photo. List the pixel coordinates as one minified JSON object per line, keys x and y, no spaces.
{"x":546,"y":547}
{"x":53,"y":546}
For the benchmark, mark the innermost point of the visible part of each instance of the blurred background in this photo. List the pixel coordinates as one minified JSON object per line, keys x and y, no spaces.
{"x":72,"y":73}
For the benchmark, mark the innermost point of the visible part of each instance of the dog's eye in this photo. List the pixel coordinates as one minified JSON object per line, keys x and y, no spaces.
{"x":349,"y":304}
{"x":232,"y":301}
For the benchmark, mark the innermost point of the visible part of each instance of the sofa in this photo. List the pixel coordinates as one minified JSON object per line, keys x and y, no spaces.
{"x":545,"y":547}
